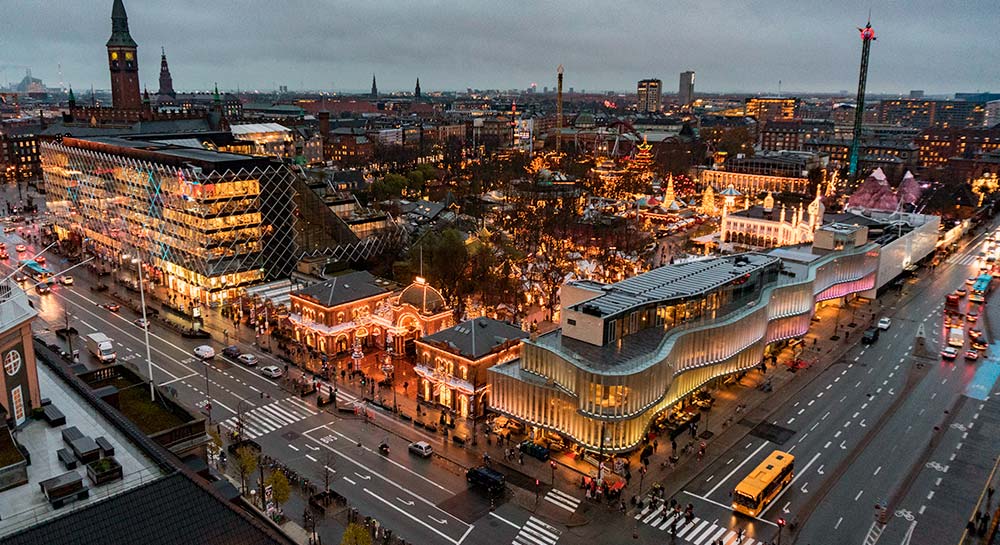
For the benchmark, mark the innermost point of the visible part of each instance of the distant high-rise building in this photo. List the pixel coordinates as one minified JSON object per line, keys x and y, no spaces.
{"x":916,"y":93}
{"x":166,"y":81}
{"x":374,"y":87}
{"x":649,"y":93}
{"x":122,"y":62}
{"x":685,"y":93}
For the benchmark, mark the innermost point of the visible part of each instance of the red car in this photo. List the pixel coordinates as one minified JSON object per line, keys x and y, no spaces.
{"x":971,"y":355}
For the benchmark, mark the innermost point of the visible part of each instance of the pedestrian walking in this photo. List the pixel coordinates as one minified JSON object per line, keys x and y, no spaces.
{"x":989,"y":494}
{"x":656,"y":445}
{"x":521,"y":458}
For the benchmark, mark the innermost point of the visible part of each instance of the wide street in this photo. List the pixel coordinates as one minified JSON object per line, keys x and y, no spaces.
{"x":882,"y":423}
{"x":858,"y":433}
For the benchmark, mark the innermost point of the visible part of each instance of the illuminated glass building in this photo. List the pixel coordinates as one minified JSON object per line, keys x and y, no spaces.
{"x":204,"y":224}
{"x":628,"y":353}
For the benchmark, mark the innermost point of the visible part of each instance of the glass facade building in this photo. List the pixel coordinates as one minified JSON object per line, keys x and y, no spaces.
{"x":203,"y":224}
{"x":627,"y":353}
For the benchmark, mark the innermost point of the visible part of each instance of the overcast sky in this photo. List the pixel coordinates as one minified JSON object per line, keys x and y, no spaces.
{"x":941,"y":46}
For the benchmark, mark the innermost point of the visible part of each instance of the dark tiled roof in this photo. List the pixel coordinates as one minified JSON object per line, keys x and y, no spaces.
{"x":168,"y":511}
{"x":345,"y":288}
{"x":476,"y":338}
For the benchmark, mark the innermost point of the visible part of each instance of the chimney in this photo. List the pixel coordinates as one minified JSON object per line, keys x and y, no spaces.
{"x":324,"y":123}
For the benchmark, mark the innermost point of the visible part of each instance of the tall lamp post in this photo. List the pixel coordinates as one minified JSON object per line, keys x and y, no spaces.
{"x":149,"y":358}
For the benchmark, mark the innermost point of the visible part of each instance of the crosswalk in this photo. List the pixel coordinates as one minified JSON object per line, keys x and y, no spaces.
{"x":963,"y":259}
{"x":696,"y":532}
{"x":562,"y":499}
{"x":265,"y":419}
{"x":536,"y":532}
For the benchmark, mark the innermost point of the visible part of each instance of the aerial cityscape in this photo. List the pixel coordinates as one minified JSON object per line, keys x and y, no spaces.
{"x":597,"y":281}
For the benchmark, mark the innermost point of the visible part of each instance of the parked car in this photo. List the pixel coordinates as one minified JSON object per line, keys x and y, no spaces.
{"x":972,"y":355}
{"x":487,"y":478}
{"x":421,"y":448}
{"x":949,"y":353}
{"x":247,"y":359}
{"x":204,"y":352}
{"x":231,"y":351}
{"x":272,"y":371}
{"x":535,"y":450}
{"x":884,"y":323}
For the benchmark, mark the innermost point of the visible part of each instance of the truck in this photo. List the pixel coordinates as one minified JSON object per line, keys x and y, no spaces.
{"x":956,"y":337}
{"x":101,"y":347}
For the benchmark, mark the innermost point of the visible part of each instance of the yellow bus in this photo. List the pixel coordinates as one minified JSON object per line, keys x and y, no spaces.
{"x":763,"y":484}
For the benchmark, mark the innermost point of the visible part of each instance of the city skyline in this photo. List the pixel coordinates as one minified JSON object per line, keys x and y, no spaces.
{"x":332,"y":48}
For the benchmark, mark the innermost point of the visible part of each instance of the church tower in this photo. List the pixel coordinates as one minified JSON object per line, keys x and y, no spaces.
{"x":166,"y":81}
{"x":122,"y":62}
{"x":416,"y":90}
{"x":374,"y":88}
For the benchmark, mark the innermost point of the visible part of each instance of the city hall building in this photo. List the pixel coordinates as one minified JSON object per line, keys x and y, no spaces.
{"x":629,"y":352}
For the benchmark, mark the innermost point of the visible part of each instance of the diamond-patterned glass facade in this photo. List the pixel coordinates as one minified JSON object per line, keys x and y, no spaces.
{"x":202,"y":232}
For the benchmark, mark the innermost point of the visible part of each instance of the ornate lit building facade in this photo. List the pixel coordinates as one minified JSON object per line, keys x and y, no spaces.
{"x":628,"y":352}
{"x":359,"y":309}
{"x":754,"y":183}
{"x":452,"y":363}
{"x":765,"y":227}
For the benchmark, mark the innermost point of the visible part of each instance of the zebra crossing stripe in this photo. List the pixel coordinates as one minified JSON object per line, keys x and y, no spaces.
{"x":687,"y":528}
{"x":711,"y":529}
{"x":717,"y":535}
{"x":536,"y":532}
{"x":653,"y":515}
{"x":562,"y":499}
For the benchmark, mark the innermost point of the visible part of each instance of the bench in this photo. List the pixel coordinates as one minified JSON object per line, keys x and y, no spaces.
{"x":53,"y":416}
{"x":67,"y":458}
{"x":71,"y":434}
{"x":64,"y":488}
{"x":107,"y":449}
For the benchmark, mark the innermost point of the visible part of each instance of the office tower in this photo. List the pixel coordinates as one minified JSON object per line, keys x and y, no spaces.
{"x":649,"y":92}
{"x":685,"y":93}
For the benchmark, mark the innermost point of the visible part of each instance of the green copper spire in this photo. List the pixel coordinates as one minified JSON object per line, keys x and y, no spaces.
{"x":215,"y":96}
{"x":119,"y":27}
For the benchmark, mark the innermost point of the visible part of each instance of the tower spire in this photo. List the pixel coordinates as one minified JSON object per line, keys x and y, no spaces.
{"x":123,"y":62}
{"x":166,"y":80}
{"x":119,"y":27}
{"x":374,"y":87}
{"x":416,"y":90}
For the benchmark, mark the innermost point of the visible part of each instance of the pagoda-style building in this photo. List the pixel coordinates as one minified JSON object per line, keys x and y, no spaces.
{"x":642,"y":160}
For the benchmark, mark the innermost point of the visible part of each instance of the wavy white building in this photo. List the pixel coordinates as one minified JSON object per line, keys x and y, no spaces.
{"x":626,"y":352}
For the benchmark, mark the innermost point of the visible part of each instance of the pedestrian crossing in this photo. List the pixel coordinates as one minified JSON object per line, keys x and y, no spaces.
{"x":536,"y":532}
{"x":696,"y":532}
{"x":963,"y":259}
{"x":265,"y":419}
{"x":562,"y":499}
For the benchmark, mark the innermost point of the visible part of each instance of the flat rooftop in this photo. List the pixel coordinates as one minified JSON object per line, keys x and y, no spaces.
{"x":672,"y":282}
{"x":26,"y":505}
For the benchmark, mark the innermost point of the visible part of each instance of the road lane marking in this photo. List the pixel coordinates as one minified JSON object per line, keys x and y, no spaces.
{"x":859,"y":495}
{"x":178,"y":379}
{"x":293,"y":447}
{"x":348,"y":479}
{"x":735,"y":469}
{"x":879,"y":468}
{"x":412,"y":517}
{"x":726,"y":507}
{"x":504,"y":520}
{"x":835,"y":526}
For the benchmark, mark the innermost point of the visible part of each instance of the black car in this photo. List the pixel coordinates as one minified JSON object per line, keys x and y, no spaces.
{"x":870,"y":335}
{"x":533,"y":449}
{"x":487,"y":478}
{"x":231,"y":352}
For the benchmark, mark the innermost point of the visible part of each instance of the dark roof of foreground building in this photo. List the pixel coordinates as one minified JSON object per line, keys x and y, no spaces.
{"x":346,"y":288}
{"x":168,"y":511}
{"x":476,"y":338}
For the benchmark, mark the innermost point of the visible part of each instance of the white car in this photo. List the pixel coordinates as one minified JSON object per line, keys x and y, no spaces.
{"x":272,"y":371}
{"x":142,"y":322}
{"x":204,"y":352}
{"x":247,"y":359}
{"x":66,"y":280}
{"x":884,"y":324}
{"x":421,"y":448}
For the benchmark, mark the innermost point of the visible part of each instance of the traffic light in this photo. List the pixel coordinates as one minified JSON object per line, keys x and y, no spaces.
{"x":781,"y":523}
{"x":537,"y":483}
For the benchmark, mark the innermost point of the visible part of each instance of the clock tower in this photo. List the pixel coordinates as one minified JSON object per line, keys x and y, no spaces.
{"x":122,"y":62}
